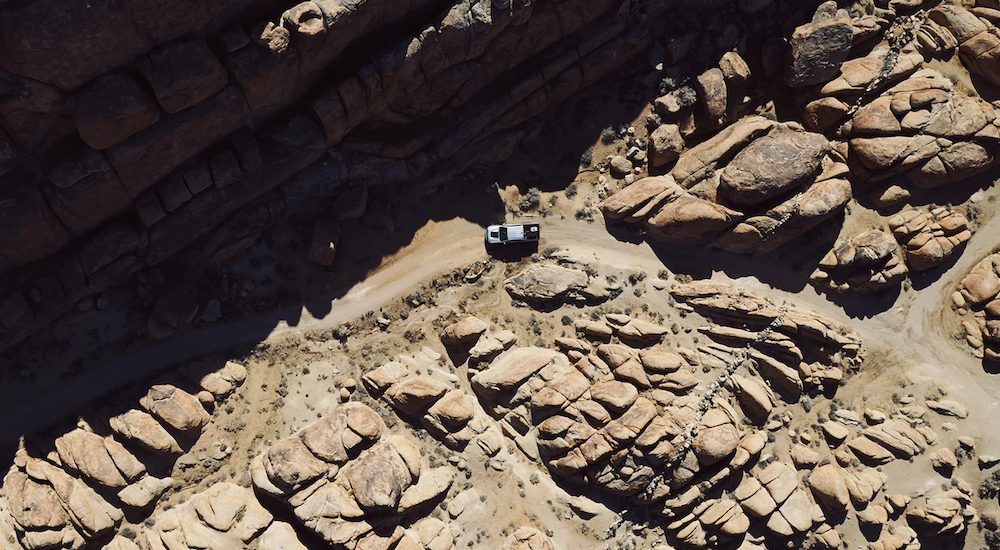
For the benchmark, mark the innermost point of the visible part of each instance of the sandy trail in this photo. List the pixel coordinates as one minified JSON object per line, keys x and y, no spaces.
{"x":913,"y":326}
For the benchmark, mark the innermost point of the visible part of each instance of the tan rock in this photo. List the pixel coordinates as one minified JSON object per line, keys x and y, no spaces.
{"x":717,"y":437}
{"x":513,"y":367}
{"x":829,"y":484}
{"x":614,"y":395}
{"x":463,"y":331}
{"x":379,"y":478}
{"x":102,"y":460}
{"x":224,"y":380}
{"x":280,"y":536}
{"x":139,"y":426}
{"x":176,"y":407}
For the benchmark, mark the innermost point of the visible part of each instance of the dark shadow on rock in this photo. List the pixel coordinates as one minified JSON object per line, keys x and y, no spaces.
{"x":864,"y":306}
{"x":923,"y":279}
{"x":991,"y":367}
{"x":953,"y":542}
{"x":870,"y":531}
{"x":625,"y":232}
{"x":786,"y":268}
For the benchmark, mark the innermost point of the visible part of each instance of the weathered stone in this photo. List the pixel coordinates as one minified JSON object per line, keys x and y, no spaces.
{"x":771,"y":166}
{"x":828,"y":484}
{"x":512,"y":368}
{"x":110,"y":109}
{"x":178,"y":408}
{"x":463,"y":331}
{"x":102,"y":460}
{"x":416,"y":395}
{"x":379,"y":478}
{"x":818,"y":48}
{"x":143,"y":428}
{"x":182,"y":74}
{"x":665,"y":145}
{"x":717,"y":437}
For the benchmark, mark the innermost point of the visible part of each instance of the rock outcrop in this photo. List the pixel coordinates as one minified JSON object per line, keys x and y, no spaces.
{"x":751,"y":188}
{"x":419,"y":388}
{"x":349,"y":481}
{"x":930,"y":238}
{"x":50,"y":508}
{"x":922,"y":132}
{"x":819,"y":47}
{"x":972,"y":31}
{"x":865,"y":263}
{"x":546,"y":283}
{"x":224,"y":516}
{"x":979,"y":291}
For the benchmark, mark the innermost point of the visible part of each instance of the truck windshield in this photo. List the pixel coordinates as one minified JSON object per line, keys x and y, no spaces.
{"x":503,"y":233}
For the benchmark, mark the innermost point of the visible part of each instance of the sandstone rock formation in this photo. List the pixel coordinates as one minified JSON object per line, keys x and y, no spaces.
{"x":753,"y":187}
{"x":972,"y":31}
{"x":820,"y":47}
{"x":978,"y":292}
{"x":349,"y":481}
{"x":923,"y":131}
{"x":931,"y":237}
{"x":49,"y":508}
{"x":224,"y":516}
{"x":837,"y":96}
{"x":527,"y":538}
{"x":419,"y":388}
{"x":864,"y":263}
{"x":553,"y":283}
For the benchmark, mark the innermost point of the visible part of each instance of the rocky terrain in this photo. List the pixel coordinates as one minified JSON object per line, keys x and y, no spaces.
{"x":245,"y":300}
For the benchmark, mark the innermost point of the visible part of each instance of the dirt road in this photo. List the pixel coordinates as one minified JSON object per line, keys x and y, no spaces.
{"x":912,"y":326}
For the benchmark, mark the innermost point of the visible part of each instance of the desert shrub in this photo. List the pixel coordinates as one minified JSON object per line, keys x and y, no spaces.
{"x":531,"y":200}
{"x":990,"y":487}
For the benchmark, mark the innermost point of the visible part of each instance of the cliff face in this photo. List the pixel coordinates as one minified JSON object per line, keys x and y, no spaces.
{"x":131,"y":129}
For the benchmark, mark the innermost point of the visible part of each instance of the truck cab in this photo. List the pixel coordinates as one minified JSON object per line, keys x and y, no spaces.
{"x":510,"y":233}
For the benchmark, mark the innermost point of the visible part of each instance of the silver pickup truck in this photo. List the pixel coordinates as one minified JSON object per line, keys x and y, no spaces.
{"x":511,"y":233}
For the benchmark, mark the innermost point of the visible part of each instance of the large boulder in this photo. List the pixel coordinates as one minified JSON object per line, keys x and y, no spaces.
{"x":280,"y":536}
{"x":463,"y":331}
{"x":982,"y":283}
{"x":223,"y":381}
{"x":182,"y":74}
{"x":223,"y":517}
{"x":976,"y":37}
{"x":141,"y":427}
{"x":100,"y":459}
{"x":175,"y":407}
{"x":379,"y":478}
{"x":665,"y":145}
{"x":771,"y":166}
{"x":717,"y":437}
{"x":865,"y":263}
{"x":829,"y":484}
{"x":924,"y":130}
{"x":819,"y":47}
{"x":513,"y":367}
{"x":416,"y":395}
{"x":112,"y":108}
{"x":930,"y":238}
{"x":548,"y":283}
{"x":723,"y":190}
